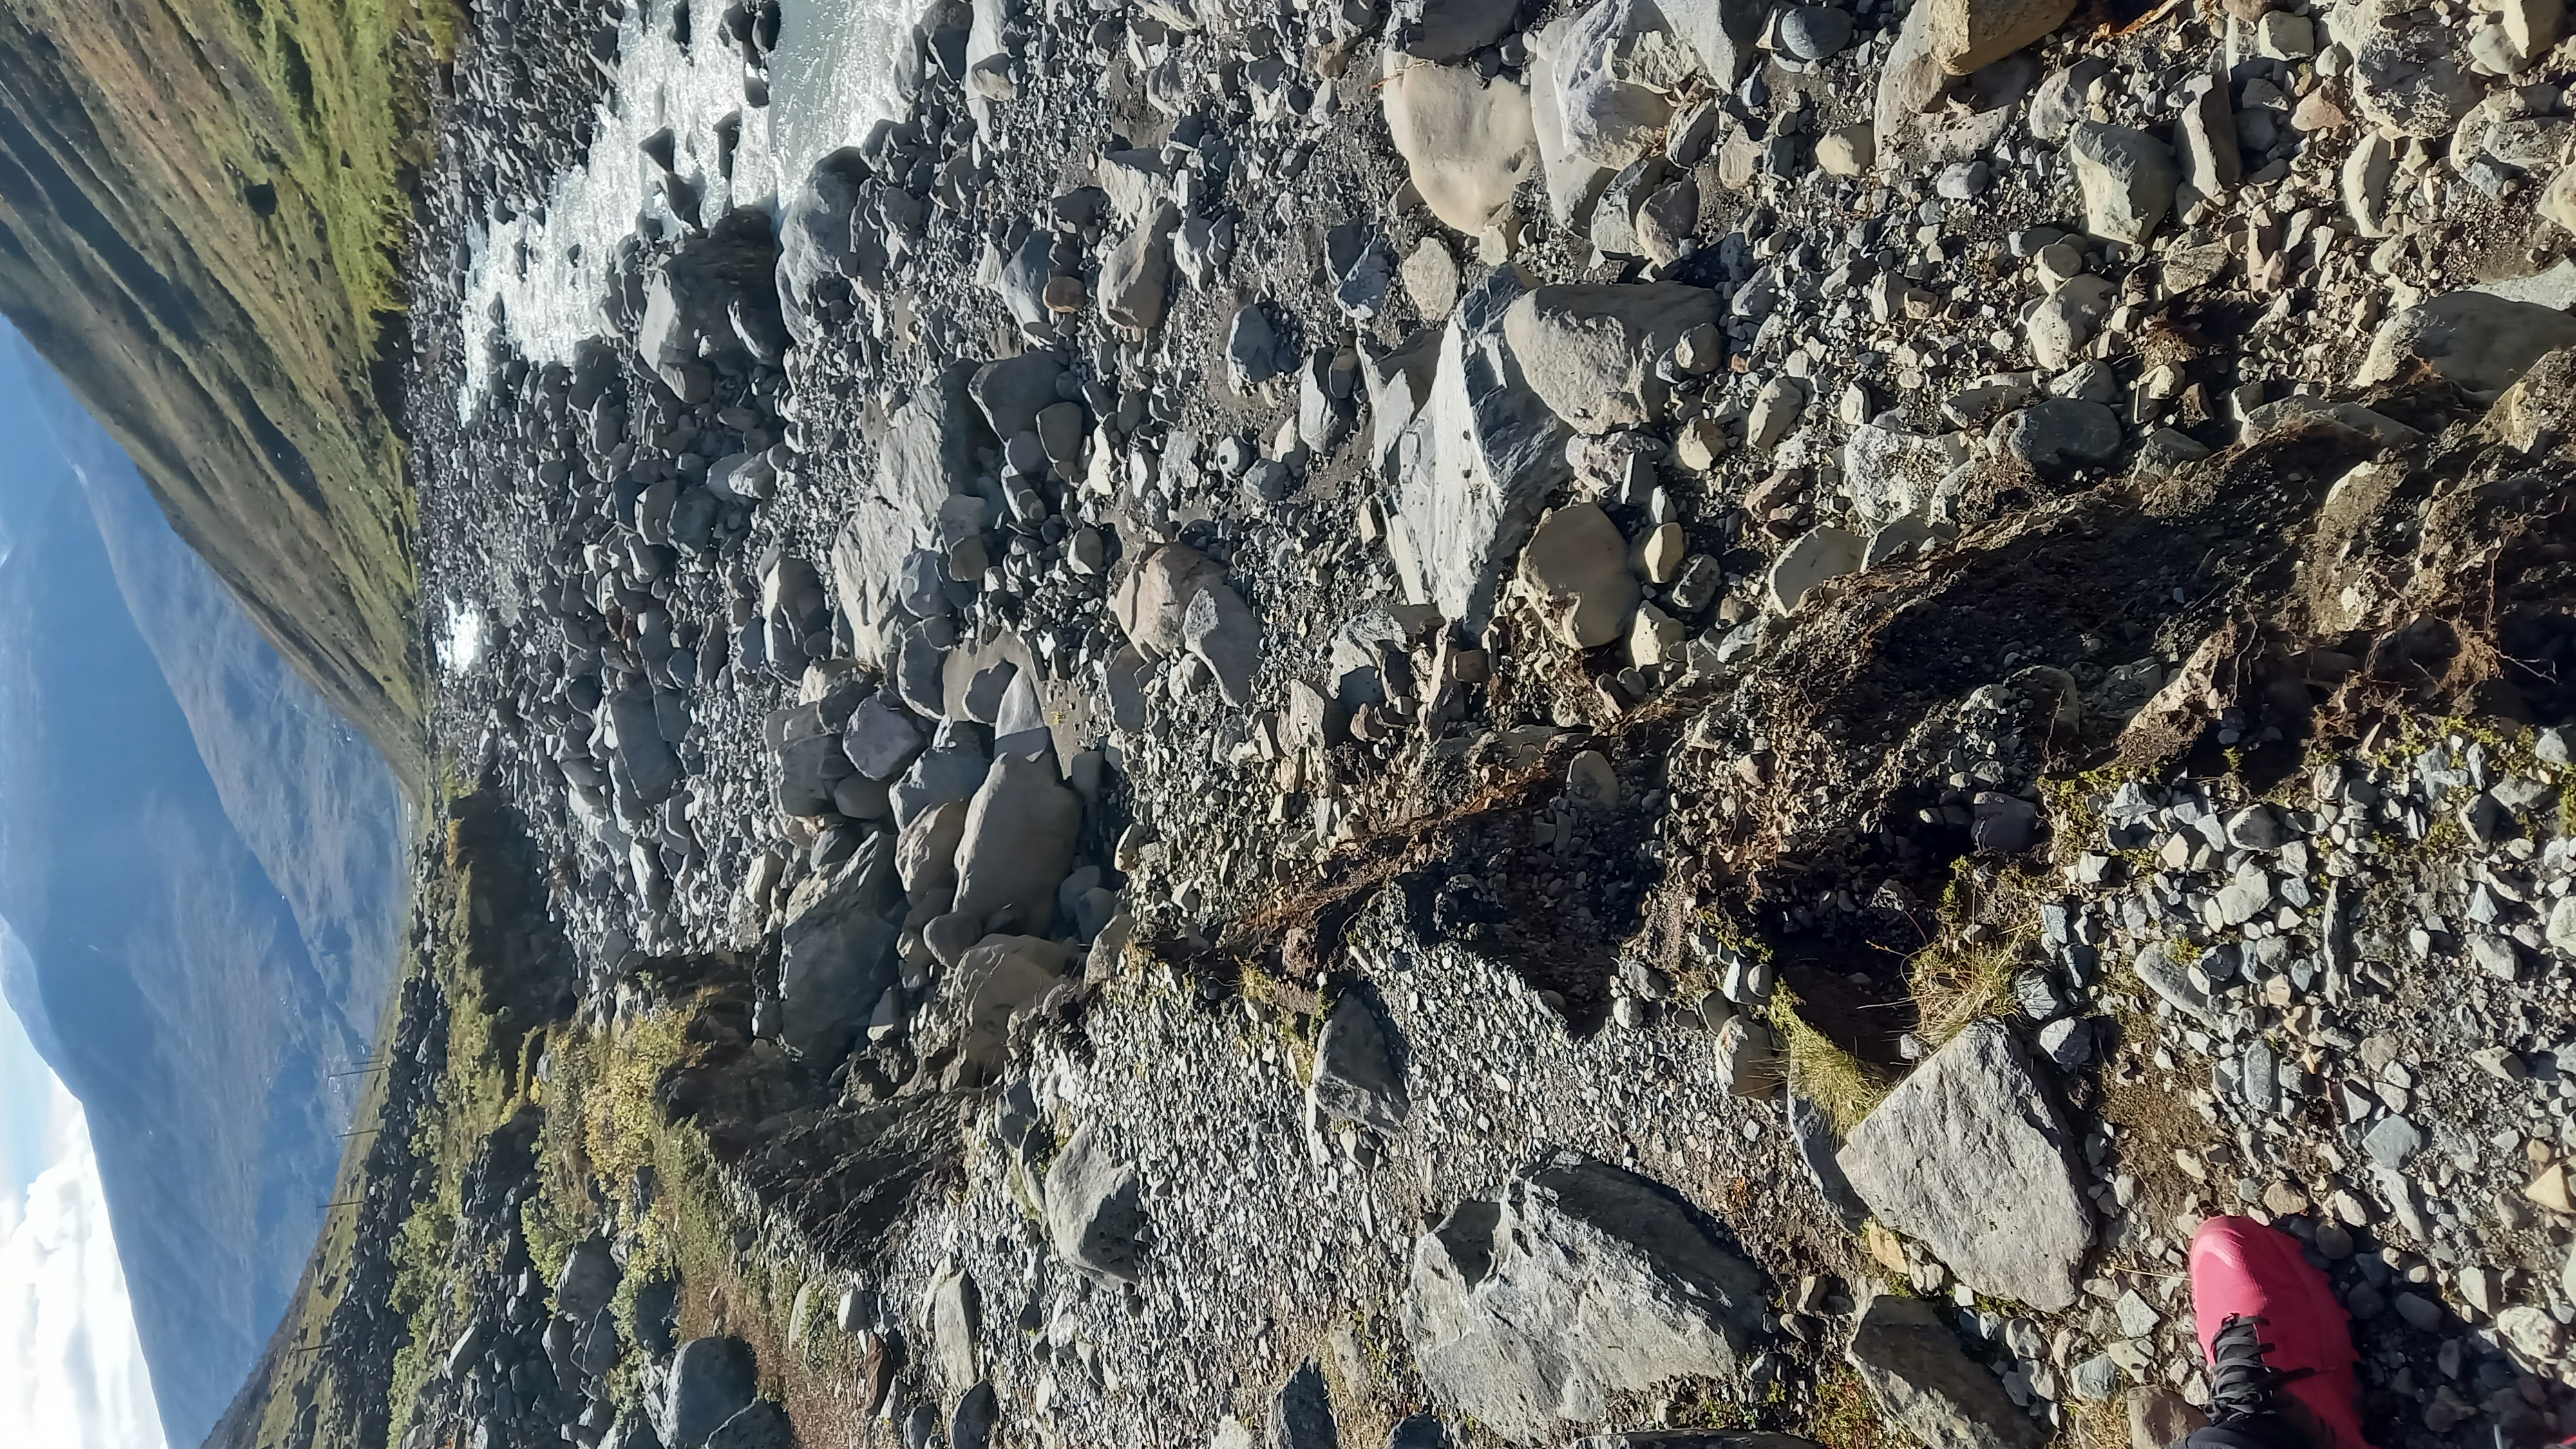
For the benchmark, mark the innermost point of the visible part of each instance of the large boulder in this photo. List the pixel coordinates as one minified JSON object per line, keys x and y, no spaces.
{"x":643,"y":757}
{"x":836,"y":953}
{"x":1893,"y":473}
{"x":1092,"y":1207}
{"x":2128,"y":179}
{"x":1573,"y":182}
{"x":1965,"y":36}
{"x":1465,"y":140}
{"x":1152,"y":603}
{"x":1568,"y":1288}
{"x":717,"y":296}
{"x":1220,"y":629}
{"x":1590,"y":352}
{"x":588,"y":1280}
{"x":1576,"y":569}
{"x":2480,"y":342}
{"x":1136,"y":276}
{"x":2410,"y":70}
{"x":1724,"y":34}
{"x":1449,"y":30}
{"x":1475,"y":462}
{"x":762,"y":1424}
{"x":925,"y":852}
{"x":1943,"y":40}
{"x":1911,"y":1363}
{"x":814,"y":236}
{"x":996,"y":978}
{"x":1615,"y":71}
{"x":1969,"y":1154}
{"x":712,"y":1379}
{"x":1017,"y":845}
{"x":925,"y":454}
{"x":1012,"y":392}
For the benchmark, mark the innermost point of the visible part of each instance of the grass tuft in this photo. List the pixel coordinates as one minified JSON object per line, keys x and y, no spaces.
{"x":1820,"y":1070}
{"x":1953,"y":987}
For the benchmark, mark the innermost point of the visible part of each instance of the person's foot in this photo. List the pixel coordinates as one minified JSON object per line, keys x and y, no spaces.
{"x":2275,"y":1337}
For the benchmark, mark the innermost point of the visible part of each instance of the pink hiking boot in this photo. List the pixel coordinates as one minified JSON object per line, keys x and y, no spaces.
{"x":2277,"y":1341}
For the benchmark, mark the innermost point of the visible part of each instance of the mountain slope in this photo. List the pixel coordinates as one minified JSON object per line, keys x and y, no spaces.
{"x":196,"y":199}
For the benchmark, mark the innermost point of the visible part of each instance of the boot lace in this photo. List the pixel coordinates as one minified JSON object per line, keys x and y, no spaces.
{"x":2240,"y":1384}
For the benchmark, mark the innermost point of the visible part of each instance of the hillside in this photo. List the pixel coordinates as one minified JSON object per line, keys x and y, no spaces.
{"x":197,"y":204}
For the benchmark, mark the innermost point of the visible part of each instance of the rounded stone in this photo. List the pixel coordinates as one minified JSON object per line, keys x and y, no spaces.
{"x":1813,"y":32}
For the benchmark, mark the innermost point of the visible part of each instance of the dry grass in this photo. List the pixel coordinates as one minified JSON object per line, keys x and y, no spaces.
{"x":2102,"y":1425}
{"x":602,"y":1130}
{"x":1820,"y":1070}
{"x":1954,"y":986}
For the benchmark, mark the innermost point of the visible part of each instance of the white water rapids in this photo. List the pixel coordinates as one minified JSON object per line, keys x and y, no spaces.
{"x":830,"y":80}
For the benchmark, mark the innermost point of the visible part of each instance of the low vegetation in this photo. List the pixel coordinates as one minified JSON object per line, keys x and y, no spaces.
{"x":1822,"y":1071}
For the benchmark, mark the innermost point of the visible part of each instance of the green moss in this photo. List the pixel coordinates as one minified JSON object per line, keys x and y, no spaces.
{"x":1844,"y":1414}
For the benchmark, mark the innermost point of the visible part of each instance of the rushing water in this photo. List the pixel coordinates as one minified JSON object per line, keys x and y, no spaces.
{"x":829,"y":81}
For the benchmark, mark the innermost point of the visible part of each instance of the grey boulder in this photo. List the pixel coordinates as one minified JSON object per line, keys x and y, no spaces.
{"x":1913,"y":1366}
{"x":996,"y":979}
{"x":1590,"y":352}
{"x":2480,"y":342}
{"x":881,"y":738}
{"x":1571,"y":1286}
{"x":925,"y":454}
{"x":1472,"y":462}
{"x":760,"y":1425}
{"x":1017,"y":845}
{"x":2061,"y":436}
{"x":814,"y":234}
{"x":835,"y":953}
{"x":1968,"y":1154}
{"x":2128,"y":179}
{"x":1355,"y":1080}
{"x":712,"y":1379}
{"x":1092,"y":1207}
{"x":588,"y":1280}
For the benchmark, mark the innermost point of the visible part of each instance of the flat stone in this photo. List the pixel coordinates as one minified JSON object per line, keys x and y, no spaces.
{"x":2127,"y":177}
{"x":1969,"y":1155}
{"x":2392,"y":1142}
{"x":1534,"y":1308}
{"x":1910,"y":1360}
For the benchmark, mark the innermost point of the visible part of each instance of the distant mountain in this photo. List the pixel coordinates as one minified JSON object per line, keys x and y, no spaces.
{"x":205,"y":866}
{"x":308,"y":794}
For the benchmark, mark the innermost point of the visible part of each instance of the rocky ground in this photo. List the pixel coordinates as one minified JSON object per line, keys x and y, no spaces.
{"x":1481,"y":725}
